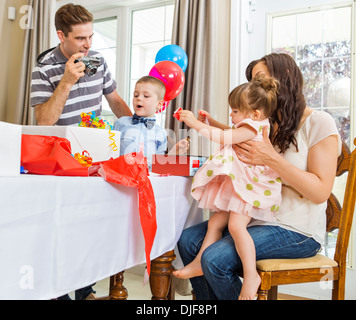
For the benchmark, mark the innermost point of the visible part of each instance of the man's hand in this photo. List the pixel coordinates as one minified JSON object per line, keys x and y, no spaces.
{"x":73,"y":71}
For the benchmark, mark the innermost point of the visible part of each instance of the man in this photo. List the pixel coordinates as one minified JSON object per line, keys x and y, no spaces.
{"x":61,"y":90}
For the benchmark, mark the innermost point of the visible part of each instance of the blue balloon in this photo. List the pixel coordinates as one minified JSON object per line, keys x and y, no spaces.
{"x":175,"y":54}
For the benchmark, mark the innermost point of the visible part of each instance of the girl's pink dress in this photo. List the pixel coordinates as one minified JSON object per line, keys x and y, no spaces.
{"x":224,"y":183}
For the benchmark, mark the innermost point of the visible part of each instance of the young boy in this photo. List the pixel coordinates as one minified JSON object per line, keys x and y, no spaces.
{"x":141,"y":129}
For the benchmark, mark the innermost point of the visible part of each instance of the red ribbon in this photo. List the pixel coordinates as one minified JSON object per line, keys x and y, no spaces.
{"x":132,"y":171}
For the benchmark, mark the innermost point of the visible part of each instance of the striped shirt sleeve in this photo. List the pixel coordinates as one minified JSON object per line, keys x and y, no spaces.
{"x":41,"y":87}
{"x":85,"y":96}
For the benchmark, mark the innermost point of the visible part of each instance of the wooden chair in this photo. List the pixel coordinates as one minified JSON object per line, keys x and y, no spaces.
{"x":275,"y":272}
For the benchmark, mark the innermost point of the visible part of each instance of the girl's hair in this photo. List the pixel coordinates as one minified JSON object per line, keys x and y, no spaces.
{"x":258,"y":94}
{"x":70,"y":15}
{"x":290,"y":100}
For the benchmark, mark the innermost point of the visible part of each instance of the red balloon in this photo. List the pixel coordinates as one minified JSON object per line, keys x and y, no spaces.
{"x":172,"y":75}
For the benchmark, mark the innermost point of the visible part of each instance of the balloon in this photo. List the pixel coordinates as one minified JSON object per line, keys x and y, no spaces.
{"x":175,"y":54}
{"x":172,"y":75}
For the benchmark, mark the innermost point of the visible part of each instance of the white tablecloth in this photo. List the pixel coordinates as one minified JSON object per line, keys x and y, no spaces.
{"x":58,"y":234}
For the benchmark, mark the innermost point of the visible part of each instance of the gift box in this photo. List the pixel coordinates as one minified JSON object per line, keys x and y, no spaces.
{"x":101,"y":144}
{"x":177,"y":165}
{"x":10,"y":149}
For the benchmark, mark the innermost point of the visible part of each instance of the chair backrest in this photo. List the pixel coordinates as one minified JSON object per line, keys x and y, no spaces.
{"x":340,"y":217}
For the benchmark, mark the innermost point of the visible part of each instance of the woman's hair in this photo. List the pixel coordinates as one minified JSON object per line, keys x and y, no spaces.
{"x":258,"y":94}
{"x":290,"y":100}
{"x":70,"y":15}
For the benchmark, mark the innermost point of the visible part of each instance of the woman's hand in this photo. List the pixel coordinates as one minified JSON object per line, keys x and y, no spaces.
{"x":257,"y":153}
{"x":315,"y":184}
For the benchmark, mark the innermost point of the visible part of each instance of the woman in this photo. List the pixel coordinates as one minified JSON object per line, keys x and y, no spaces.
{"x":303,"y":150}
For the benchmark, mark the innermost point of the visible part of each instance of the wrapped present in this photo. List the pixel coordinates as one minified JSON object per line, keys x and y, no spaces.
{"x":102,"y":145}
{"x":46,"y":155}
{"x":177,"y":165}
{"x":10,"y":149}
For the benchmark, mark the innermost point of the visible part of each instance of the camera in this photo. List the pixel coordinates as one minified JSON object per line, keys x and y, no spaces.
{"x":91,"y":65}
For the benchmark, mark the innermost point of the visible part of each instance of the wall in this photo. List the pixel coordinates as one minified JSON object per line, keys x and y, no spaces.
{"x":223,"y":62}
{"x":11,"y":42}
{"x":2,"y":77}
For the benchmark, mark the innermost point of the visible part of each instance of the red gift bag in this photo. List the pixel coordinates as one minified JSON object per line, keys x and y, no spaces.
{"x":49,"y":156}
{"x":132,"y":171}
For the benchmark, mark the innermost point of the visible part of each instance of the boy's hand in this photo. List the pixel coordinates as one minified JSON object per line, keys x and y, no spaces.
{"x":183,"y":146}
{"x":180,"y":148}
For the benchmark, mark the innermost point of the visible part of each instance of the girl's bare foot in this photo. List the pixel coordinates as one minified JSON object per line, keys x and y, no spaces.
{"x":250,"y":287}
{"x":192,"y":270}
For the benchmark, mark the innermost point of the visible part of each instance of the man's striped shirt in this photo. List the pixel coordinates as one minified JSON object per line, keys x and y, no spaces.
{"x":85,"y":96}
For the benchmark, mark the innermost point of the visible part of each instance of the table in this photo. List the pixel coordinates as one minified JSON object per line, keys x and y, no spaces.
{"x":58,"y":234}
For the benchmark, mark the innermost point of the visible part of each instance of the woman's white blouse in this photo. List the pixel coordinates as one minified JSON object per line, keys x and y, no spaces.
{"x":298,"y":213}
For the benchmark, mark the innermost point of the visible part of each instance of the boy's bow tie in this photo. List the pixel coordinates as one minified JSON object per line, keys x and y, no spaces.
{"x":149,"y":123}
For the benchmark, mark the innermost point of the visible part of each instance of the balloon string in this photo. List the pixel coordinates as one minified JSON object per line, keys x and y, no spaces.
{"x":113,"y":144}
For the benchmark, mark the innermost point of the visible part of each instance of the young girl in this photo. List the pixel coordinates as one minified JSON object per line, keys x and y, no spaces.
{"x":234,"y":191}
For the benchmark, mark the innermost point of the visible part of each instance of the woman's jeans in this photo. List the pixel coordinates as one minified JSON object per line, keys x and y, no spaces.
{"x":220,"y":262}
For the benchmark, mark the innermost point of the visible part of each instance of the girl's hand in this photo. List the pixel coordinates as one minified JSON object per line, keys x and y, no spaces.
{"x":203,"y":116}
{"x":188,"y":118}
{"x":257,"y":153}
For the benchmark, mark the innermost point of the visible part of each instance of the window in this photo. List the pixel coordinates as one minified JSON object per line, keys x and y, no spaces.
{"x":151,"y":30}
{"x":320,"y":42}
{"x":129,"y":39}
{"x":105,"y":35}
